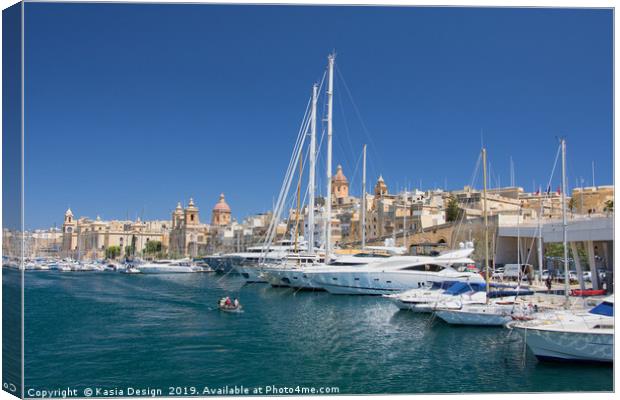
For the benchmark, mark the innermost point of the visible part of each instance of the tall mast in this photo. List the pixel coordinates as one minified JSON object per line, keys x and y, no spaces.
{"x":328,"y":206}
{"x":540,"y":215}
{"x":486,"y":219}
{"x":298,"y":204}
{"x":363,"y":217}
{"x":564,"y":223}
{"x":405,"y":221}
{"x":311,"y":178}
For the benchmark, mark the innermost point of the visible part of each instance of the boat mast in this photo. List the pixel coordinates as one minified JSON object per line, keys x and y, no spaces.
{"x":298,"y":204}
{"x":311,"y":178}
{"x":405,"y":221}
{"x":540,"y":252}
{"x":363,"y":217}
{"x":328,"y":206}
{"x":486,"y":219}
{"x":564,"y":223}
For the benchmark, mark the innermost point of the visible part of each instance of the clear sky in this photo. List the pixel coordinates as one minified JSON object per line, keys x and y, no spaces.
{"x":131,"y":108}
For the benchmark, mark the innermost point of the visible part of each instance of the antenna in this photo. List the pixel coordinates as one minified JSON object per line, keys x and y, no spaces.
{"x":512,"y":173}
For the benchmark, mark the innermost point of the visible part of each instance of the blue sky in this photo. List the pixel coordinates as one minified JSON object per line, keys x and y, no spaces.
{"x":131,"y":108}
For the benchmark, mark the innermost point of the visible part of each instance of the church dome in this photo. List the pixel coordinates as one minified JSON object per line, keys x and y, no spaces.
{"x":221,"y":205}
{"x":339,"y":177}
{"x":179,"y":209}
{"x":68,"y":213}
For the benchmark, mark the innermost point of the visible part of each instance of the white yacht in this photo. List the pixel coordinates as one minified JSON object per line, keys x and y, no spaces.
{"x":425,"y":299}
{"x":482,"y":313}
{"x":168,"y":267}
{"x":571,"y":335}
{"x":294,"y":273}
{"x":250,"y":264}
{"x":396,"y":274}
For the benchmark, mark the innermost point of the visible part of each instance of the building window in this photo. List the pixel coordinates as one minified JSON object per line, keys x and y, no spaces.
{"x":191,"y":217}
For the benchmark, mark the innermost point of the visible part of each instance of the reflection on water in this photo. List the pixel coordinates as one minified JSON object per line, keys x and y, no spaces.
{"x":107,"y":329}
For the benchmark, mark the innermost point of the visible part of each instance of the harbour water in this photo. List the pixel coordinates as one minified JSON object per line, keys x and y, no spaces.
{"x":109,"y":330}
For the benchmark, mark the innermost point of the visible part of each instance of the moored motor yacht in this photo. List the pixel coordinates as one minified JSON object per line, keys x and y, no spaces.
{"x":294,"y":272}
{"x":567,"y":335}
{"x":395,"y":274}
{"x":481,"y":313}
{"x":168,"y":267}
{"x":426,"y":298}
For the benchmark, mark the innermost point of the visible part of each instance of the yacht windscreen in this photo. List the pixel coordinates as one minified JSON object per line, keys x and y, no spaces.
{"x":462,"y":287}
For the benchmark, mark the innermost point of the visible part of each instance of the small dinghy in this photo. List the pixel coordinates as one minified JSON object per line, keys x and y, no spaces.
{"x":227,"y":305}
{"x":130,"y":270}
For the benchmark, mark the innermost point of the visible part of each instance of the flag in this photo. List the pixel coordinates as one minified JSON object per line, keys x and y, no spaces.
{"x":548,"y":189}
{"x":559,"y":191}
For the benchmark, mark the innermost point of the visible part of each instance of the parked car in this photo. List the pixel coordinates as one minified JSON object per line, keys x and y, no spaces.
{"x":571,"y":275}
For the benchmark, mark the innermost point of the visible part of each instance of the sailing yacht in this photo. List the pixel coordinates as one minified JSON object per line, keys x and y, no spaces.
{"x":571,"y":336}
{"x":483,"y":310}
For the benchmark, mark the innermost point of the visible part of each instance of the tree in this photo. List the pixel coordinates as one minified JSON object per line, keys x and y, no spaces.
{"x":129,"y":251}
{"x":609,"y":206}
{"x":571,"y":204}
{"x":112,"y":252}
{"x":153,"y":247}
{"x":453,"y":210}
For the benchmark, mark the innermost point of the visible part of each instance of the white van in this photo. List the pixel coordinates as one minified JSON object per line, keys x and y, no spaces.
{"x":512,"y":271}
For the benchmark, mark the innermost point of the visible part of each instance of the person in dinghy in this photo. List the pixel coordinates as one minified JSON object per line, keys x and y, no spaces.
{"x":226,"y":304}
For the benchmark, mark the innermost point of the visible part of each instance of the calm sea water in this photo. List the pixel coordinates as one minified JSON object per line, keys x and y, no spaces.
{"x":111,"y":330}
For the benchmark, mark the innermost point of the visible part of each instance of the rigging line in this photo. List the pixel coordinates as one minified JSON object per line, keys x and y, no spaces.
{"x":295,"y":150}
{"x":473,"y":180}
{"x":555,"y":163}
{"x":359,"y":116}
{"x":546,"y":195}
{"x":347,"y":130}
{"x":303,"y":130}
{"x":356,"y":170}
{"x":288,"y":178}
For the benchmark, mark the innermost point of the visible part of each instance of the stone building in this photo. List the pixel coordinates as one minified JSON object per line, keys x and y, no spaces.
{"x":188,"y":236}
{"x":86,"y":238}
{"x":592,"y":200}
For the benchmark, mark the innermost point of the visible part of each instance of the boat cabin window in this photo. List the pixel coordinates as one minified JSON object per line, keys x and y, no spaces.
{"x":345,"y":264}
{"x":424,"y":268}
{"x":378,"y":255}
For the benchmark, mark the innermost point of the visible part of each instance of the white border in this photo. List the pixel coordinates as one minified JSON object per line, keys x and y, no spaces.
{"x":461,"y":3}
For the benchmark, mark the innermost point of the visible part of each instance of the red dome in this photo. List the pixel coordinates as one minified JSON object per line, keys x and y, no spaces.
{"x":221,"y":205}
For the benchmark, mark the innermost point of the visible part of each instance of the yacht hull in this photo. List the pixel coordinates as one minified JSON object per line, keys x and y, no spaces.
{"x":251,"y":274}
{"x":376,"y":283}
{"x":459,"y":317}
{"x":166,"y":270}
{"x":569,"y":346}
